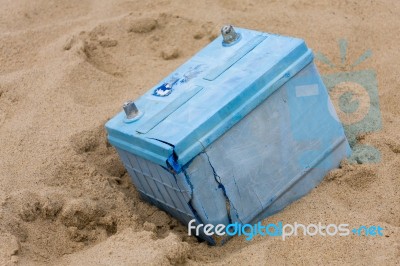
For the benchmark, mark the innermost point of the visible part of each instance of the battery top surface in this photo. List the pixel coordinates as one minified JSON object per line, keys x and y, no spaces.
{"x":207,"y":95}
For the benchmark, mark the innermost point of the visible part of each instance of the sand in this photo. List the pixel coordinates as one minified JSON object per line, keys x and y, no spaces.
{"x":66,"y":67}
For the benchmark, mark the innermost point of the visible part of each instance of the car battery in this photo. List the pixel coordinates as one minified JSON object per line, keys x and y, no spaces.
{"x":235,"y":134}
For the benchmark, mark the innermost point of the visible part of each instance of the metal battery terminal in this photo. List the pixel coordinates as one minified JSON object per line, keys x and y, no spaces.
{"x":229,"y":35}
{"x":132,"y":113}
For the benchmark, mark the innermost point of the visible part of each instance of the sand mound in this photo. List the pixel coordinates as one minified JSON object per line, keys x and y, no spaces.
{"x":129,"y":248}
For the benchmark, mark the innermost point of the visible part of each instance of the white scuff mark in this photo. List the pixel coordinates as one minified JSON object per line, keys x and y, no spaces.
{"x":307,"y":90}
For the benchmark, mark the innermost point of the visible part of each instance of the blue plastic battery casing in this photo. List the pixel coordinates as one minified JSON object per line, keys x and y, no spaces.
{"x":235,"y":134}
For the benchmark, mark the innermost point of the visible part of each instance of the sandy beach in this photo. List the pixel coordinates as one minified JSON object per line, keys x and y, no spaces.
{"x":66,"y":67}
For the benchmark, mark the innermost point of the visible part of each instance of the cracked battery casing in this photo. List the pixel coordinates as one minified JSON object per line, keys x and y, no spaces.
{"x":235,"y":134}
